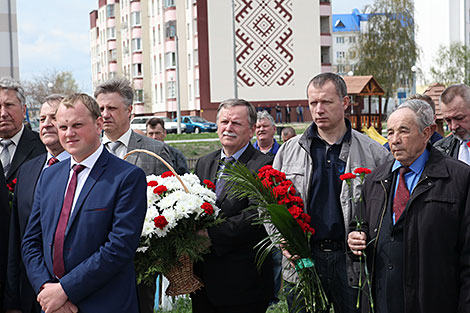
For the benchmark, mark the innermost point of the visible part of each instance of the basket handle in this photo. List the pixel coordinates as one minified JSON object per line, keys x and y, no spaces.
{"x":163,"y":161}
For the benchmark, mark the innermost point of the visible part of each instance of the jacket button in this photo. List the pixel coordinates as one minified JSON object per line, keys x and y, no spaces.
{"x":392,"y":239}
{"x":375,"y":230}
{"x":390,"y":267}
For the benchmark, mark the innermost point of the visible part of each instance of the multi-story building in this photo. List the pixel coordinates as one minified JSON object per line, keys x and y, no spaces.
{"x":8,"y":40}
{"x":346,"y":31}
{"x":439,"y":22}
{"x":183,"y":51}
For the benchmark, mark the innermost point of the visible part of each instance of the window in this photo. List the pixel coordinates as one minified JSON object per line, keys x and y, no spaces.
{"x":153,"y":8}
{"x":111,"y":32}
{"x":136,"y":44}
{"x":325,"y":55}
{"x":137,"y":70}
{"x":196,"y":88}
{"x":170,"y":60}
{"x":324,"y":24}
{"x":196,"y":57}
{"x":139,"y":95}
{"x":340,"y":54}
{"x":187,"y":31}
{"x":160,"y":95}
{"x":112,"y":55}
{"x":153,"y":37}
{"x":352,"y":39}
{"x":339,"y":39}
{"x":195,"y":26}
{"x":160,"y":65}
{"x":112,"y":75}
{"x":169,"y":3}
{"x":110,"y":10}
{"x":135,"y":18}
{"x":190,"y":91}
{"x":171,"y":90}
{"x":189,"y":60}
{"x":159,"y":35}
{"x":170,"y":29}
{"x":340,"y":68}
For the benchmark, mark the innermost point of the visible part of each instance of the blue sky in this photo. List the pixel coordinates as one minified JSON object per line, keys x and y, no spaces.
{"x":54,"y":35}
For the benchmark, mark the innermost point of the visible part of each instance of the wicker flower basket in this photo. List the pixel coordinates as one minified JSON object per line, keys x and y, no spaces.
{"x":181,"y":277}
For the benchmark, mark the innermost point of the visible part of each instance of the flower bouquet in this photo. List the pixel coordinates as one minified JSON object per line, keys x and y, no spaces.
{"x":281,"y":211}
{"x":178,"y":207}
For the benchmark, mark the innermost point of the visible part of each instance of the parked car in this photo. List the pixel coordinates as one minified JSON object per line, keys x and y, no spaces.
{"x":139,"y":123}
{"x":199,"y":124}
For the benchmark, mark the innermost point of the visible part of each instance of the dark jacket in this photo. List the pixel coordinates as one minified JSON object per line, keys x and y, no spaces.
{"x":449,"y":146}
{"x":29,"y":146}
{"x":229,"y":271}
{"x":4,"y":225}
{"x":436,"y":233}
{"x":19,"y":294}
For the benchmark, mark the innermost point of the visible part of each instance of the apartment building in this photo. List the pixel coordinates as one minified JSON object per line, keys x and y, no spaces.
{"x":199,"y":52}
{"x":8,"y":40}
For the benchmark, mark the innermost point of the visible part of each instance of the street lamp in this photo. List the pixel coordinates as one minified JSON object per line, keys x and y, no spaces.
{"x":414,"y":69}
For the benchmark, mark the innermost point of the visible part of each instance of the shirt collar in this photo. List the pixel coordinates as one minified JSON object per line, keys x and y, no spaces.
{"x":61,"y":157}
{"x":90,"y":161}
{"x":417,"y":165}
{"x":237,"y":154}
{"x":313,"y":132}
{"x":16,"y":138}
{"x":124,"y":139}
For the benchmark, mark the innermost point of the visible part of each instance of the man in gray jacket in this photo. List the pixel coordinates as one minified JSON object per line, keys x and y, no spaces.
{"x":314,"y":162}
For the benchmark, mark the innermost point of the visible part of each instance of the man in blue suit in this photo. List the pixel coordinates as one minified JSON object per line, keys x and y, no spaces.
{"x":78,"y":250}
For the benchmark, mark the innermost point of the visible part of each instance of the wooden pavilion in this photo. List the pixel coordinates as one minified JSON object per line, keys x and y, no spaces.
{"x":360,"y":87}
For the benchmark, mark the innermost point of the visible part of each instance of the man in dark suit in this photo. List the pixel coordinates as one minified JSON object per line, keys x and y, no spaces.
{"x":17,"y":143}
{"x":19,"y":294}
{"x":115,"y":98}
{"x":231,"y":281}
{"x":78,"y":250}
{"x":4,"y":218}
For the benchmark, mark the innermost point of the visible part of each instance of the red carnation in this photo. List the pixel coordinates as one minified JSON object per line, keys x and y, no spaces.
{"x":160,"y":221}
{"x":167,"y":174}
{"x":209,"y":184}
{"x":265,"y":168}
{"x":207,"y":207}
{"x":295,"y":211}
{"x":362,"y":170}
{"x":347,"y":176}
{"x":468,"y":144}
{"x":11,"y":186}
{"x":160,"y":189}
{"x":152,"y":183}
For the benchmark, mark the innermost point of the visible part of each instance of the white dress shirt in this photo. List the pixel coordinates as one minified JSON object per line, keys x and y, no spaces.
{"x":124,"y":139}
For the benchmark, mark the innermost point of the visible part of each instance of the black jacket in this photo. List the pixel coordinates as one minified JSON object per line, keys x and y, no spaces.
{"x":229,"y":271}
{"x":449,"y":146}
{"x":436,"y":233}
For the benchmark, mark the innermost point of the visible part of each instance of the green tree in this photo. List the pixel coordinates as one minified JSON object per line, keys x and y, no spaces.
{"x":45,"y":84}
{"x":452,"y":65}
{"x":387,"y":48}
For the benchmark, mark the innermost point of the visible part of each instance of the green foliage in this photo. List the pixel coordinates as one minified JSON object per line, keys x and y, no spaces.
{"x":45,"y":84}
{"x":387,"y":49}
{"x":452,"y":65}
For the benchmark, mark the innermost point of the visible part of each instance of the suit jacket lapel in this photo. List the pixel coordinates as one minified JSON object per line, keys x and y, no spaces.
{"x":93,"y":177}
{"x":135,"y":142}
{"x":22,"y":151}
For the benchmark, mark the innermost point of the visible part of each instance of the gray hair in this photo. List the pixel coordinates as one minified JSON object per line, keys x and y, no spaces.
{"x":236,"y":102}
{"x":422,"y":110}
{"x":120,"y":85}
{"x":323,"y":78}
{"x":55,"y":97}
{"x":264,"y":115}
{"x":453,"y":91}
{"x":11,"y":84}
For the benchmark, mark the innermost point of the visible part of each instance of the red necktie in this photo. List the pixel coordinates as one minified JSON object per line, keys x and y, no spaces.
{"x":402,"y":195}
{"x":52,"y":161}
{"x":58,"y":261}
